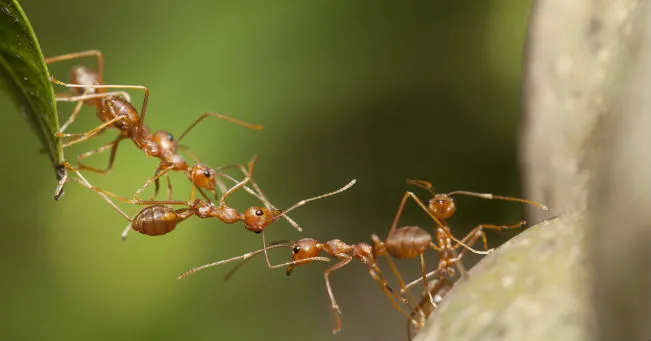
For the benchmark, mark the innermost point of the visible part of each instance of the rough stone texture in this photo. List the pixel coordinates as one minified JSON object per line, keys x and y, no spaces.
{"x":532,"y":287}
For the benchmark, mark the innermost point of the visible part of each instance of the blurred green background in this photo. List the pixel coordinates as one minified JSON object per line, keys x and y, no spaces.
{"x":377,"y":91}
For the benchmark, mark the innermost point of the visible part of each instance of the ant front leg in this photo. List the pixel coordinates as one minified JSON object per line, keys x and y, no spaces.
{"x":345,"y":259}
{"x":81,"y":54}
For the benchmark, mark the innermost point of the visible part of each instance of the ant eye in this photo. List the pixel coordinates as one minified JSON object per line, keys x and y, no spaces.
{"x":296,"y":249}
{"x":206,"y":173}
{"x":170,"y":136}
{"x":259,"y":213}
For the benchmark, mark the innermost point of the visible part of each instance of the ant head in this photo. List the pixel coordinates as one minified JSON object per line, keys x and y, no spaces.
{"x":257,"y":218}
{"x":303,"y":249}
{"x":442,"y":206}
{"x":203,"y":176}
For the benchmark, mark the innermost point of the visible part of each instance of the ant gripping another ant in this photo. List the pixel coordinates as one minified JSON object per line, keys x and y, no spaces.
{"x":159,"y":218}
{"x":404,"y":242}
{"x":442,"y":207}
{"x":306,"y":251}
{"x":115,"y":110}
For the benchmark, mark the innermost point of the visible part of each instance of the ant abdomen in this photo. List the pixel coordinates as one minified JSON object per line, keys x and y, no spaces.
{"x":155,"y":220}
{"x":115,"y":106}
{"x":85,"y":76}
{"x":408,"y":242}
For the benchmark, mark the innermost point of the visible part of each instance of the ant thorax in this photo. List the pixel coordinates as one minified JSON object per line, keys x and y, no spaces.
{"x":203,"y":209}
{"x":364,"y":252}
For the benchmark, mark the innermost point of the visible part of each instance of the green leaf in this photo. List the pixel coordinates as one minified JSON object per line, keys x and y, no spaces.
{"x":25,"y":78}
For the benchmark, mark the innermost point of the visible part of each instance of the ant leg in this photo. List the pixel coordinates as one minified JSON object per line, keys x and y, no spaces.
{"x":85,"y":96}
{"x":105,"y":194}
{"x":222,"y":117}
{"x":479,"y":232}
{"x":428,"y":275}
{"x":376,"y":274}
{"x":74,"y":114}
{"x":82,"y":180}
{"x":438,"y":222}
{"x":156,"y":176}
{"x":260,"y":195}
{"x":81,"y":54}
{"x":169,"y":187}
{"x":423,"y":270}
{"x":143,"y":109}
{"x":326,"y":275}
{"x":190,"y":153}
{"x":241,"y":183}
{"x":89,"y":134}
{"x":114,"y":148}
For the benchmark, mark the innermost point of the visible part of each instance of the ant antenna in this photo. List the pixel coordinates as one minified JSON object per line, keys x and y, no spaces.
{"x":305,"y":201}
{"x":262,"y":198}
{"x":245,"y":257}
{"x":500,"y":197}
{"x":422,"y":184}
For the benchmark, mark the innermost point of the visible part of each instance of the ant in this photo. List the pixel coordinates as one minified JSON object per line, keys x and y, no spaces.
{"x":159,"y":218}
{"x":404,"y":242}
{"x":440,"y":208}
{"x":306,"y":251}
{"x":437,"y":290}
{"x":115,"y":110}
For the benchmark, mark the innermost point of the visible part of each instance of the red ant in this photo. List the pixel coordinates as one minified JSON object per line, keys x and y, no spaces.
{"x":440,"y":208}
{"x":404,"y":242}
{"x":306,"y":251}
{"x":159,"y":219}
{"x":118,"y":112}
{"x":432,"y":297}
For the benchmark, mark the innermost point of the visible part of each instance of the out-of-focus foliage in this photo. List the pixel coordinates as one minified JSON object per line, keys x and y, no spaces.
{"x":24,"y":77}
{"x":379,"y":92}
